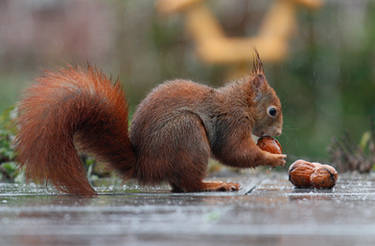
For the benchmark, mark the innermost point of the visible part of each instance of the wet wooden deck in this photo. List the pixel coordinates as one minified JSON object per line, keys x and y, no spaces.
{"x":267,"y":211}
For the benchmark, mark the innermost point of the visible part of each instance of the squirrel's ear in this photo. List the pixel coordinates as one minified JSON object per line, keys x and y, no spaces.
{"x":257,"y":84}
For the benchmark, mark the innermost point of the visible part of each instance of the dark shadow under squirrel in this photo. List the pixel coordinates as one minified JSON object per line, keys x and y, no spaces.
{"x":174,"y":131}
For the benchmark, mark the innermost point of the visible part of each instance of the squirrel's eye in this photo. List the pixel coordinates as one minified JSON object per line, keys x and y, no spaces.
{"x":271,"y":111}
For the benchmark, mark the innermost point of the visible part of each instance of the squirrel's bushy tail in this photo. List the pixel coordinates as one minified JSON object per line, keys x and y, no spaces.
{"x":71,"y":106}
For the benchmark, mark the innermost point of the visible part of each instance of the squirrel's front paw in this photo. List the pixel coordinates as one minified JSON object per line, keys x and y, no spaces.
{"x":275,"y":160}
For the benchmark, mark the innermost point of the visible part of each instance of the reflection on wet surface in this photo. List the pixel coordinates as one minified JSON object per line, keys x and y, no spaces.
{"x":272,"y":213}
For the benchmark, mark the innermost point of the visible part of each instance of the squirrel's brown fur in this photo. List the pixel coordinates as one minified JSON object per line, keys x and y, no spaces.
{"x":174,"y":131}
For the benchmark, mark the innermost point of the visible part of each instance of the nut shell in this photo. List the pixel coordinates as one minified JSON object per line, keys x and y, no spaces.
{"x":324,"y":177}
{"x":269,"y":144}
{"x":312,"y":174}
{"x":300,"y":172}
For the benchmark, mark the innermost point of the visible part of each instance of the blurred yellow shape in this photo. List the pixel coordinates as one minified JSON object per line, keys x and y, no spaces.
{"x":213,"y":46}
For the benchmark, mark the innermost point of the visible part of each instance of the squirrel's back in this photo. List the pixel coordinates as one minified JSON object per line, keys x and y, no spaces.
{"x":167,"y":101}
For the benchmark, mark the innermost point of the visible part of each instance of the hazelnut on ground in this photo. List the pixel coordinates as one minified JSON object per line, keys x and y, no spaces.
{"x":325,"y":176}
{"x":300,"y":172}
{"x":312,"y":174}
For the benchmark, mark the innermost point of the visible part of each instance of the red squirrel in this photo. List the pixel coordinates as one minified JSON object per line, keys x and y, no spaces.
{"x":174,"y":130}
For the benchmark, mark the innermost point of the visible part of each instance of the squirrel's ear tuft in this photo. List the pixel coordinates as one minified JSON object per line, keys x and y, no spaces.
{"x":257,"y":64}
{"x":257,"y":78}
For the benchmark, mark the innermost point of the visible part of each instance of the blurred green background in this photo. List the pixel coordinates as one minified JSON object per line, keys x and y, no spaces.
{"x":326,"y":82}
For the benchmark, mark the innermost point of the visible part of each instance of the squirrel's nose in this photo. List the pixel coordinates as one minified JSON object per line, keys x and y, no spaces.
{"x":278,"y":132}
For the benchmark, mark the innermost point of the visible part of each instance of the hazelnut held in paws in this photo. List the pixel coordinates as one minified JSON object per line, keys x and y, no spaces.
{"x":270,"y":144}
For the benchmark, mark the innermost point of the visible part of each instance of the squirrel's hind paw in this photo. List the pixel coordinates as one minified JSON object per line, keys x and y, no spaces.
{"x":220,"y":186}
